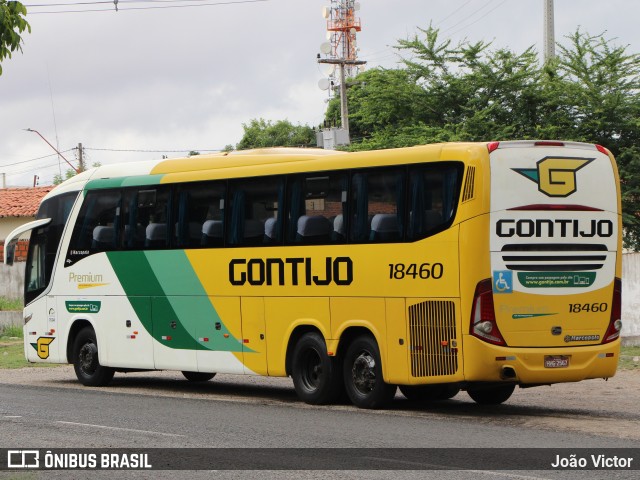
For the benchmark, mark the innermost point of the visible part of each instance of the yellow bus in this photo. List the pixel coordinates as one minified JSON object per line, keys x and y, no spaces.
{"x":435,"y":269}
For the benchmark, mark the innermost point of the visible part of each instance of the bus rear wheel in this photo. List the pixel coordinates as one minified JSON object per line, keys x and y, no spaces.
{"x":316,"y":375}
{"x":85,"y":360}
{"x":363,"y":374}
{"x":198,"y":376}
{"x":491,"y":395}
{"x":429,"y":393}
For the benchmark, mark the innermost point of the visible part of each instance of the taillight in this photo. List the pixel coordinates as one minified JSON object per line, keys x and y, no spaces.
{"x":483,"y":316}
{"x":615,"y":324}
{"x":493,"y":146}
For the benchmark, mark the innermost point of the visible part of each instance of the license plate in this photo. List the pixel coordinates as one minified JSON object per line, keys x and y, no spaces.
{"x":556,"y":361}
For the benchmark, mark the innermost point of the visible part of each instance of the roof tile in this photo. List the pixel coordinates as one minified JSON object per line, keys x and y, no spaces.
{"x":21,"y":202}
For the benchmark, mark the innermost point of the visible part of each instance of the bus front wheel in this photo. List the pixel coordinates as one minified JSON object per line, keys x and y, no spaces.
{"x":363,"y":374}
{"x":491,"y":395}
{"x":198,"y":376}
{"x":316,"y":375}
{"x":85,"y":360}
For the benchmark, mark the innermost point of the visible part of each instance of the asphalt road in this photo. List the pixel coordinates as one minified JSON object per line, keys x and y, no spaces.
{"x":162,"y":411}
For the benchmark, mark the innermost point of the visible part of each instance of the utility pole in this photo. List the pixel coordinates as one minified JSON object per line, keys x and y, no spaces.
{"x":343,"y":65}
{"x":81,"y":167}
{"x":549,"y":35}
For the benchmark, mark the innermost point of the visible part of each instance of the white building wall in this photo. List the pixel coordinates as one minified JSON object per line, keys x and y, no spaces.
{"x":8,"y":224}
{"x":631,"y":298}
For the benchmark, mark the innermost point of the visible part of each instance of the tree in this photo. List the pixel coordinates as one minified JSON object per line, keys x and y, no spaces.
{"x":467,"y":92}
{"x":12,"y":24}
{"x":262,"y":133}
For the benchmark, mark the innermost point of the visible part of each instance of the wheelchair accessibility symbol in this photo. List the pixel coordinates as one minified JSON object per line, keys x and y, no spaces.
{"x":503,"y":281}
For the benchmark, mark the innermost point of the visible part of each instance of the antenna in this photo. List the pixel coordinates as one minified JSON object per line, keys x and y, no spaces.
{"x":341,"y":50}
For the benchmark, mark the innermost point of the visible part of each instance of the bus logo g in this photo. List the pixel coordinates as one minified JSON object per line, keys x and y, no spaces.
{"x":555,"y":176}
{"x":42,"y":347}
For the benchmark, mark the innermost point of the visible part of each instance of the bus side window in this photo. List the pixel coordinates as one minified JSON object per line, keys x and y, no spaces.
{"x":98,"y":222}
{"x":199,"y":215}
{"x":377,"y":209}
{"x":255,"y":205}
{"x":433,"y":194}
{"x":145,"y":218}
{"x":317,"y":204}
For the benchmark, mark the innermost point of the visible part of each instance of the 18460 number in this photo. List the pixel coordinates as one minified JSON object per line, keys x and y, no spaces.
{"x":588,"y":307}
{"x":398,"y":271}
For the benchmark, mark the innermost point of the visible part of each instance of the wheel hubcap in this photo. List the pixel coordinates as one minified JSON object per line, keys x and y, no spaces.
{"x":88,"y":358}
{"x":363,"y":373}
{"x":312,"y":370}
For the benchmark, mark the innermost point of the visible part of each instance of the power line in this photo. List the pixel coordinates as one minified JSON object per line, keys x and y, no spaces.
{"x":210,"y":4}
{"x":133,"y":150}
{"x":453,"y":13}
{"x":476,"y":21}
{"x":34,"y":159}
{"x":468,"y":16}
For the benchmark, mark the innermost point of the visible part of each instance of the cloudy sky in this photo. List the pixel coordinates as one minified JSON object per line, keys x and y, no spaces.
{"x":145,"y":82}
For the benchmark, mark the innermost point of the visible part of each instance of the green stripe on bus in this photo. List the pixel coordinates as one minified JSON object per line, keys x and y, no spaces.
{"x":162,"y":285}
{"x":136,"y":180}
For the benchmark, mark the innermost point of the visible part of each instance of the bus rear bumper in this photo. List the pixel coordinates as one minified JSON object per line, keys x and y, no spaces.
{"x":484,"y":362}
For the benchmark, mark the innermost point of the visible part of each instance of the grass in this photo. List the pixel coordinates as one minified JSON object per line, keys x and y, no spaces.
{"x":10,"y":303}
{"x":629,"y":358}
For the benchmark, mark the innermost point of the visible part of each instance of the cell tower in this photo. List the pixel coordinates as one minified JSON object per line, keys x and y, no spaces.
{"x":340,"y":50}
{"x":342,"y":28}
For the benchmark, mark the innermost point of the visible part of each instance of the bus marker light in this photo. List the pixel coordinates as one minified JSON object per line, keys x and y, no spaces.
{"x":135,"y":332}
{"x":205,"y":339}
{"x":166,"y":338}
{"x":444,"y":343}
{"x":245,"y":340}
{"x":546,"y":143}
{"x":225,"y":335}
{"x":33,"y":333}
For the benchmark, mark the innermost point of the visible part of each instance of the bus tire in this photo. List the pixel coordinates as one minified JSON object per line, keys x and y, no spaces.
{"x":85,"y":360}
{"x":429,"y":393}
{"x":491,"y":395}
{"x":362,"y":372}
{"x":198,"y":376}
{"x":316,"y":375}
